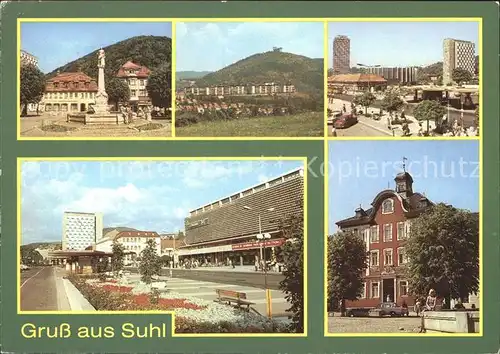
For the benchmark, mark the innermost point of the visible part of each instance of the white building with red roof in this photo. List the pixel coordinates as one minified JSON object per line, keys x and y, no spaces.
{"x":136,"y":77}
{"x":69,"y":92}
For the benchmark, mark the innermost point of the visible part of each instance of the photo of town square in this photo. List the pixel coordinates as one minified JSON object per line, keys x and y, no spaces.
{"x":405,"y":79}
{"x":403,"y":246}
{"x":249,"y":79}
{"x":219,"y":243}
{"x":95,"y":79}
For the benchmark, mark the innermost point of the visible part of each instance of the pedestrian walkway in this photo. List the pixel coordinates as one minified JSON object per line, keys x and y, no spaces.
{"x":383,"y":124}
{"x":236,"y":269}
{"x":206,"y":290}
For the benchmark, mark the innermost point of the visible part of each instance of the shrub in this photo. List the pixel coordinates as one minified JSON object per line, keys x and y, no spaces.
{"x":183,"y":325}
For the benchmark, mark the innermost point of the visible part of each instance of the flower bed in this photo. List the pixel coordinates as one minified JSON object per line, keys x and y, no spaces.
{"x":193,"y":315}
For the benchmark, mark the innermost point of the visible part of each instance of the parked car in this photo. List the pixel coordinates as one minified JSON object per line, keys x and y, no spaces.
{"x":334,"y":117}
{"x":389,"y":309}
{"x":24,"y":267}
{"x":357,"y":311}
{"x":345,"y":121}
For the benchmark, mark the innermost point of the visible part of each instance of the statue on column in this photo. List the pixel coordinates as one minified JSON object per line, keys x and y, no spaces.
{"x":101,"y":56}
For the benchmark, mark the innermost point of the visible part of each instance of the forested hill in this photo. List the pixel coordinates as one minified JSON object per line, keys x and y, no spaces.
{"x":281,"y":67}
{"x":149,"y":51}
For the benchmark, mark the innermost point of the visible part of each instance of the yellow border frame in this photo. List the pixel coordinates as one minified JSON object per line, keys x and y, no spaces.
{"x":479,"y":21}
{"x":20,"y":160}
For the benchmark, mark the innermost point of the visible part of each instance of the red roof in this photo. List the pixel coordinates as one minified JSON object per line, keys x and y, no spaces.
{"x":71,"y":82}
{"x":356,"y":78}
{"x":139,"y":71}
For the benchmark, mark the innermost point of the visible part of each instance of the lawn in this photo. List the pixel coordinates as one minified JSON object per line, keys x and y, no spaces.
{"x":300,"y":125}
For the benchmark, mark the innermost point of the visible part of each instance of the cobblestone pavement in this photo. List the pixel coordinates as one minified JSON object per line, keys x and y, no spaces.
{"x":339,"y":324}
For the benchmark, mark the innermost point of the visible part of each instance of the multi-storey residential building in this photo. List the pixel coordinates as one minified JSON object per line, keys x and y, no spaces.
{"x":81,"y":230}
{"x":227,"y":229}
{"x":134,"y":243}
{"x":384,"y":228}
{"x":28,"y":59}
{"x":270,"y":88}
{"x":341,"y":55}
{"x":402,"y":75}
{"x":69,"y":92}
{"x":136,"y":77}
{"x":458,"y":54}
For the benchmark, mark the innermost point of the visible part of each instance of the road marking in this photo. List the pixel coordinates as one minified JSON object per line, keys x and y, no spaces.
{"x":31,"y":278}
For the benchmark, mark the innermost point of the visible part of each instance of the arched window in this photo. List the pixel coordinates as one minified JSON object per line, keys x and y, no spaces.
{"x":388,"y":206}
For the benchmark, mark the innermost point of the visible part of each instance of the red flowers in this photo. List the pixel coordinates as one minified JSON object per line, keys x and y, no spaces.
{"x":117,"y":288}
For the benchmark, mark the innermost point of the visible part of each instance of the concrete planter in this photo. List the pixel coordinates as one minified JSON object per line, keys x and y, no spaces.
{"x":451,"y":321}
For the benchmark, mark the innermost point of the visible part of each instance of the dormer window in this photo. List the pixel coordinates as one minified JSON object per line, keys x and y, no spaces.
{"x":388,"y":206}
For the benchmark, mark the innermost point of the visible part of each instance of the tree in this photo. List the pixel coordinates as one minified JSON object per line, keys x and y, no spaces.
{"x":29,"y":255}
{"x":347,"y":260}
{"x":429,"y":110}
{"x":150,"y":263}
{"x":365,"y":100}
{"x":392,"y":102}
{"x":460,"y":75}
{"x":32,"y":86}
{"x":118,"y":91}
{"x":292,"y":254}
{"x":443,"y":253}
{"x":118,"y":257}
{"x":159,"y":86}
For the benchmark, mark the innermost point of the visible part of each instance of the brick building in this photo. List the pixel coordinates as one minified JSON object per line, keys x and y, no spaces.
{"x":384,"y":228}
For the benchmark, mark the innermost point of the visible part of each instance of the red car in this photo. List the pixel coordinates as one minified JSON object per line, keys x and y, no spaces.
{"x":346,"y":121}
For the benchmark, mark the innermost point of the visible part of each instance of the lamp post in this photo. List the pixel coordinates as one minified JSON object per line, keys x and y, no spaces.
{"x":368,"y":67}
{"x":262,"y":238}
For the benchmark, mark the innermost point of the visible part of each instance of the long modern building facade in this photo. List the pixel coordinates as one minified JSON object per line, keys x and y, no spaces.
{"x":341,"y":55}
{"x":401,"y":75}
{"x":458,"y":54}
{"x":226,"y":230}
{"x":81,"y":230}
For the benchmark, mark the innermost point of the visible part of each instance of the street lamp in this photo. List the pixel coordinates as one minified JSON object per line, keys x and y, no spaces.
{"x":368,"y":67}
{"x":262,"y":238}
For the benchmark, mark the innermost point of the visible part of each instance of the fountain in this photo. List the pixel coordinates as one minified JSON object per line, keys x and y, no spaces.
{"x":101,"y":114}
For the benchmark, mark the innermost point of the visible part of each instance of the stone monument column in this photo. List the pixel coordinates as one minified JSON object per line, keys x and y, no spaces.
{"x":101,"y":99}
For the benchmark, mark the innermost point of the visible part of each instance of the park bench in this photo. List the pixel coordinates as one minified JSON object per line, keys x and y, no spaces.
{"x":235,"y":297}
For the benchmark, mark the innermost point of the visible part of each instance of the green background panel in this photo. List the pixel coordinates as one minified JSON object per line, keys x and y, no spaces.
{"x":315,"y":342}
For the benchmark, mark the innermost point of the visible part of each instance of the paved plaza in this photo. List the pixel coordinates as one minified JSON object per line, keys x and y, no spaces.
{"x":32,"y":126}
{"x":339,"y":324}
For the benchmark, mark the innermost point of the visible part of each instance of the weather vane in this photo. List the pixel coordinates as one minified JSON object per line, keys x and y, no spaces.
{"x":404,"y":163}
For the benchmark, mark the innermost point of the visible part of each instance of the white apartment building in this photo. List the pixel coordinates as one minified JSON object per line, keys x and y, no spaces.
{"x":134,"y":243}
{"x":81,"y":230}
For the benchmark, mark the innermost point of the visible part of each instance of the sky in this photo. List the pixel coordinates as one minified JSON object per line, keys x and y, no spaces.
{"x":211,"y":46}
{"x":399,"y":43}
{"x":58,"y":43}
{"x":446,"y":171}
{"x":146,"y":195}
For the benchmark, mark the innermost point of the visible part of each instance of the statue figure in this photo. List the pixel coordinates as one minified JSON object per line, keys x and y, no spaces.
{"x":100,"y":58}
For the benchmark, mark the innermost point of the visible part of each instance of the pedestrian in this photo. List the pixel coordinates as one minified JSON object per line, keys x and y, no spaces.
{"x":256,"y":265}
{"x":344,"y":109}
{"x":430,"y":303}
{"x":334,"y":131}
{"x":403,"y":115}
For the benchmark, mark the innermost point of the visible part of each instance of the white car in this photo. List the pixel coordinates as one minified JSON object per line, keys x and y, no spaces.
{"x":24,"y":267}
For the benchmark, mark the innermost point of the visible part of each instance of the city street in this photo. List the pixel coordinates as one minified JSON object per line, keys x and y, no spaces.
{"x":40,"y":290}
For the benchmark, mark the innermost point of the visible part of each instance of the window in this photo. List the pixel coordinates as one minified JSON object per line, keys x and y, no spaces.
{"x":374,"y":258}
{"x":374,"y":234}
{"x":363,"y":289}
{"x":387,"y":232}
{"x":355,"y":232}
{"x":142,"y":82}
{"x":388,"y":257}
{"x":132,"y":93}
{"x":402,"y":259}
{"x":388,"y":206}
{"x":403,"y":288}
{"x":375,"y":290}
{"x":401,"y":231}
